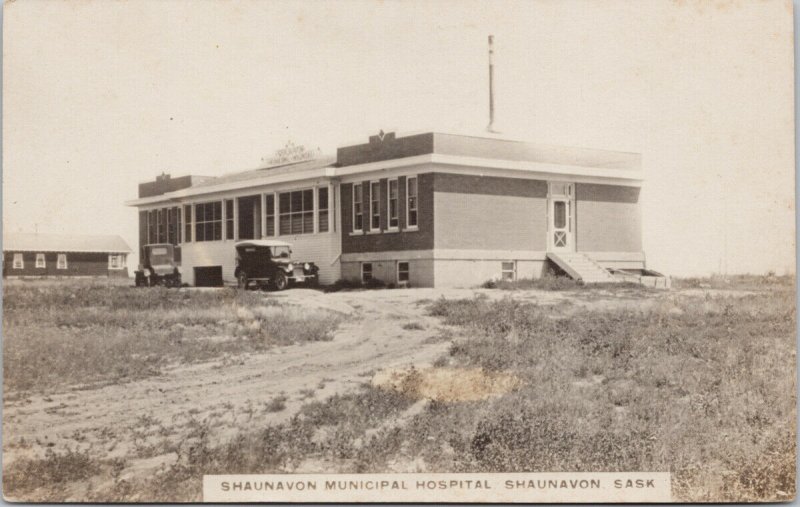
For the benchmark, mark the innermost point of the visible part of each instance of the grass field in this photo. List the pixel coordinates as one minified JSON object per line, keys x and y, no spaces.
{"x":698,"y":381}
{"x":58,"y":335}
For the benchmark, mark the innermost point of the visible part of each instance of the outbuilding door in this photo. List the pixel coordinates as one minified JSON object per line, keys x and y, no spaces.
{"x":560,"y":235}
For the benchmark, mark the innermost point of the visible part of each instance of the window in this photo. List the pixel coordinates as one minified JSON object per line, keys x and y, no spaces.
{"x":411,"y":198}
{"x":40,"y":263}
{"x":172,"y":225}
{"x":394,"y":220}
{"x":161,"y":235}
{"x":508,"y":271}
{"x":228,"y":218}
{"x":560,"y":214}
{"x":270,"y":214}
{"x":152,"y":227}
{"x":187,"y":213}
{"x":178,"y":226}
{"x":322,"y":206}
{"x":402,"y":272}
{"x":366,"y":272}
{"x":358,"y":210}
{"x":19,"y":262}
{"x":375,"y":206}
{"x":116,"y":261}
{"x":62,"y":261}
{"x":208,"y":221}
{"x":296,"y":212}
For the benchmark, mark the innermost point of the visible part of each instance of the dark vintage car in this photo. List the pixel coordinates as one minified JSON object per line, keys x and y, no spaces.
{"x":265,"y":262}
{"x":159,"y":264}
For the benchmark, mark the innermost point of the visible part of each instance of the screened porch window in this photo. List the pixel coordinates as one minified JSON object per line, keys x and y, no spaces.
{"x":270,"y":214}
{"x":228,"y":218}
{"x":187,"y":214}
{"x":208,"y":221}
{"x":296,"y":212}
{"x":322,"y":204}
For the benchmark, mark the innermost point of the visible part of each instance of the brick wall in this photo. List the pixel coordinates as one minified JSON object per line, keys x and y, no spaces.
{"x":480,"y":212}
{"x":608,"y":218}
{"x":422,"y":239}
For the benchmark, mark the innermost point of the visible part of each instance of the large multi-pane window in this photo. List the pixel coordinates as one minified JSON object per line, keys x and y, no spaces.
{"x":358,"y":207}
{"x":322,"y":207}
{"x":375,"y":206}
{"x":411,"y":201}
{"x":270,"y":214}
{"x":162,"y":218}
{"x":178,"y":225}
{"x":228,"y":218}
{"x":208,"y":221}
{"x":152,"y":226}
{"x":296,"y":212}
{"x":172,"y":225}
{"x":187,"y":214}
{"x":394,"y":196}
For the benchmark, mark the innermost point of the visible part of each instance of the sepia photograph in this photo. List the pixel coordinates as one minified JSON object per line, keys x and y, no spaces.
{"x":369,"y":251}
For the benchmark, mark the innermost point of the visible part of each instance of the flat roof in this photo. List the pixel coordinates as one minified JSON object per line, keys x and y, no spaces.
{"x":390,"y":150}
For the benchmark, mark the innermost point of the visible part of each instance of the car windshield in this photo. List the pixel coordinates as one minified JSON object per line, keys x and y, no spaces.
{"x":281,"y":251}
{"x":160,"y":255}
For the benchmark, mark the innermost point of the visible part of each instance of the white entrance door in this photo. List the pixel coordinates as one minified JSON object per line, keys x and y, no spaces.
{"x":560,"y":218}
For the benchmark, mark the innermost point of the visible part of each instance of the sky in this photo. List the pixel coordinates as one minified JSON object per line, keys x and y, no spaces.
{"x":99,"y":96}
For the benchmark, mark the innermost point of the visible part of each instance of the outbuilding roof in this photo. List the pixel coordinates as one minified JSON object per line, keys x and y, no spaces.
{"x":36,"y":242}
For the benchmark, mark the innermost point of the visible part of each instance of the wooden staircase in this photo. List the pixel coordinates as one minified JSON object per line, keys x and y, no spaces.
{"x":580,"y":267}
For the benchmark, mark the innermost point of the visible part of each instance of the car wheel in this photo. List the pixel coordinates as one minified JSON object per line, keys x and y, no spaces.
{"x":281,"y":282}
{"x":241,"y":280}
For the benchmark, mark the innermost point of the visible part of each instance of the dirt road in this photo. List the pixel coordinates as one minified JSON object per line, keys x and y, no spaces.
{"x":142,"y":418}
{"x":144,"y":421}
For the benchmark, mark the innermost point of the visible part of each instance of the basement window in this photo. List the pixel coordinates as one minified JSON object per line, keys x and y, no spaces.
{"x":62,"y":261}
{"x":40,"y":262}
{"x":19,"y":262}
{"x":509,"y":271}
{"x":366,"y":272}
{"x":402,"y":273}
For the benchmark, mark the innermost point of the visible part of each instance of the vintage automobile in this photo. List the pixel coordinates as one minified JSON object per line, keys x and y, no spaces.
{"x":265,"y":262}
{"x":159,"y":264}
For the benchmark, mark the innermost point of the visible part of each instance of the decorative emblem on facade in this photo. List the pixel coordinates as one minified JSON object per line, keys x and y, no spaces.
{"x":292,"y":153}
